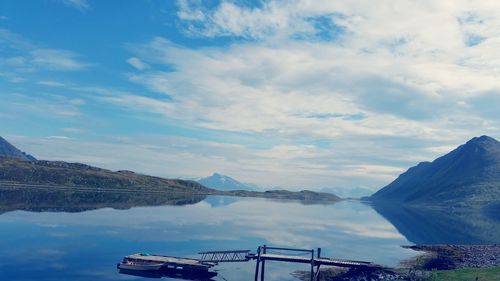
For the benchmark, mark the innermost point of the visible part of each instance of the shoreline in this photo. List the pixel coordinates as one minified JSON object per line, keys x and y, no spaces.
{"x":435,"y":260}
{"x":309,"y":197}
{"x":453,"y":256}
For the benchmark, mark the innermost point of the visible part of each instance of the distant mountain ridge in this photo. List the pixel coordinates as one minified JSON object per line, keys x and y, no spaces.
{"x":226,"y":183}
{"x":22,"y":171}
{"x":8,"y":150}
{"x":355,"y":192}
{"x":468,"y":175}
{"x":17,"y":167}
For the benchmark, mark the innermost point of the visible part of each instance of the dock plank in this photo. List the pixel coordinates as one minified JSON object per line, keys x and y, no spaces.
{"x":317,"y":261}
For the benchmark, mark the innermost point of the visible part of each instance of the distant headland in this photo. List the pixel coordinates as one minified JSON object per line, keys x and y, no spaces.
{"x":18,"y":168}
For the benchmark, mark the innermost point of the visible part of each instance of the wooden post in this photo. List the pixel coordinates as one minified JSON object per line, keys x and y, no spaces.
{"x":263,"y":265}
{"x":257,"y":264}
{"x":317,"y":267}
{"x":312,"y":265}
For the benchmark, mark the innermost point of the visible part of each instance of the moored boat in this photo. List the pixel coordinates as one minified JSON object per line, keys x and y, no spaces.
{"x":139,"y":265}
{"x":169,"y":266}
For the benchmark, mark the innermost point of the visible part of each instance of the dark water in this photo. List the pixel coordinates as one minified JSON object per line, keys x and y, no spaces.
{"x":81,"y":236}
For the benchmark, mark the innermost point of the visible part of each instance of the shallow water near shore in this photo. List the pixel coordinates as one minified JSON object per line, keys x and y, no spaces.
{"x":72,"y":243}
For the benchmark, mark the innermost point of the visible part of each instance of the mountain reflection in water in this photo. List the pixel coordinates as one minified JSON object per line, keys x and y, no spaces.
{"x":443,"y":226}
{"x":43,"y":200}
{"x":418,"y":225}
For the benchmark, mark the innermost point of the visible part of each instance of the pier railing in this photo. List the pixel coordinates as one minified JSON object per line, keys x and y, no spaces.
{"x":225,"y":256}
{"x":265,"y":253}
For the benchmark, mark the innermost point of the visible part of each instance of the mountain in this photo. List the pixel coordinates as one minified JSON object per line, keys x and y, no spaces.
{"x":21,"y":171}
{"x":58,"y":173}
{"x":8,"y":150}
{"x":355,"y":192}
{"x":225,"y":183}
{"x":17,"y":167}
{"x":467,"y":176}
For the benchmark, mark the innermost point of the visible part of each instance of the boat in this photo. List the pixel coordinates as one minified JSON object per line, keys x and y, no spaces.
{"x":167,"y":265}
{"x":145,"y":274}
{"x":139,"y":265}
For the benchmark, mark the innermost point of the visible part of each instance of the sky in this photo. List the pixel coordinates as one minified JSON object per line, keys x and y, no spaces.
{"x":287,"y":93}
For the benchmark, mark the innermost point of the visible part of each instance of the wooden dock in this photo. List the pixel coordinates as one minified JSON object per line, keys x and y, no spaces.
{"x":304,"y":256}
{"x":316,"y":261}
{"x":264,"y":254}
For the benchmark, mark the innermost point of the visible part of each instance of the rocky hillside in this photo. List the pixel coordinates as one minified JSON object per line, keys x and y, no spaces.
{"x":8,"y":150}
{"x":467,"y":176}
{"x":59,"y":173}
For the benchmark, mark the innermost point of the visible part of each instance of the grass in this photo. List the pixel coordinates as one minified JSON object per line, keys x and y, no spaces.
{"x":467,"y":274}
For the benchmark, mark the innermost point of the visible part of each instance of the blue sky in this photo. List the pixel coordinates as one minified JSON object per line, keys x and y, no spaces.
{"x":288,"y":93}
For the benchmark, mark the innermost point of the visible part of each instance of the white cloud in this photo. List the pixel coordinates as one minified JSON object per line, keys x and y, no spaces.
{"x":81,"y":5}
{"x":12,"y":77}
{"x":273,"y":89}
{"x":273,"y":18}
{"x":338,"y":93}
{"x":397,"y":79}
{"x":58,"y":138}
{"x":73,"y":130}
{"x":137,"y":63}
{"x":12,"y":40}
{"x":429,"y":28}
{"x":56,"y":60}
{"x":28,"y":57}
{"x":44,"y":105}
{"x":51,"y":83}
{"x":231,"y":20}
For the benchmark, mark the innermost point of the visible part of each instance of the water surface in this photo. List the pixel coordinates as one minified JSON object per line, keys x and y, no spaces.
{"x":82,"y":239}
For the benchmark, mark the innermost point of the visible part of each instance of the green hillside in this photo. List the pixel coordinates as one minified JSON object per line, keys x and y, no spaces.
{"x":467,"y":176}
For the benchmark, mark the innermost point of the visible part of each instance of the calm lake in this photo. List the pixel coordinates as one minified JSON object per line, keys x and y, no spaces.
{"x":82,"y":235}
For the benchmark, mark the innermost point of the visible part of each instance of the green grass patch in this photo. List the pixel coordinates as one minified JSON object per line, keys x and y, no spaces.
{"x":467,"y":274}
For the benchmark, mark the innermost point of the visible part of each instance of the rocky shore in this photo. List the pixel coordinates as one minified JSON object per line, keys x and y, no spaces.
{"x":360,"y":274}
{"x":436,"y":257}
{"x":459,"y":256}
